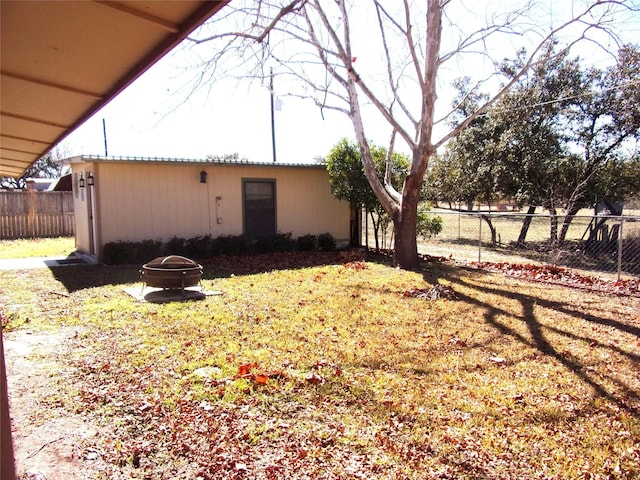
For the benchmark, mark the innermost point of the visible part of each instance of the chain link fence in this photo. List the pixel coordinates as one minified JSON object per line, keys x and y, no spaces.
{"x":595,"y":244}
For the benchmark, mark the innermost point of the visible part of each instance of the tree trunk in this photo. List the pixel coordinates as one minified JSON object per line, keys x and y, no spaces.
{"x":493,"y":230}
{"x":525,"y":226}
{"x":366,"y":229}
{"x":384,"y":227}
{"x":404,"y":212}
{"x":405,"y":253}
{"x":355,"y":235}
{"x":376,"y":226}
{"x":553,"y":226}
{"x":568,"y":218}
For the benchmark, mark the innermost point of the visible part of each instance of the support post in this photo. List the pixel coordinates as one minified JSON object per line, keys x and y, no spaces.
{"x":273,"y":118}
{"x":480,"y":239}
{"x":620,"y":235}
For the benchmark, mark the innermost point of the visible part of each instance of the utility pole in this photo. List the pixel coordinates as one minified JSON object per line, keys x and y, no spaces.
{"x":273,"y":122}
{"x":104,"y":134}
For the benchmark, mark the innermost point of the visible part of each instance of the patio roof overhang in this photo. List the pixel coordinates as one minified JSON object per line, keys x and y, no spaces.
{"x":61,"y":61}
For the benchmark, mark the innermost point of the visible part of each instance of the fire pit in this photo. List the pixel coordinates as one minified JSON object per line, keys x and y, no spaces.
{"x":171,"y":272}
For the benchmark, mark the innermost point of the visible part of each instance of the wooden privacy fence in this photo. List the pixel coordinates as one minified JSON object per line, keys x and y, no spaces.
{"x":34,"y":214}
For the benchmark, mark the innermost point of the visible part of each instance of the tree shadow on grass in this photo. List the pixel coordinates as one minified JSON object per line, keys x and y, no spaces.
{"x":393,"y":418}
{"x":79,"y":277}
{"x":626,"y":397}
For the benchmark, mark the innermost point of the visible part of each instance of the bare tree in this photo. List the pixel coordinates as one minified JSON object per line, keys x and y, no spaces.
{"x":383,"y":60}
{"x":48,"y":166}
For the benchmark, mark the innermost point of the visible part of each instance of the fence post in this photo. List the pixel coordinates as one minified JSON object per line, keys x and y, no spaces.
{"x":31,"y":213}
{"x":620,"y":248}
{"x":480,"y":239}
{"x":366,"y":228}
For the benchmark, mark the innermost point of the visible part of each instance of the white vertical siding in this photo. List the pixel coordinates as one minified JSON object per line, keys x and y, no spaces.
{"x":81,"y":211}
{"x":306,"y":205}
{"x":152,"y":201}
{"x":149,"y":200}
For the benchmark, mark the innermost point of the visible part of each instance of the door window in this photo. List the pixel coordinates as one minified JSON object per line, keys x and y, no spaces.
{"x":259,"y":208}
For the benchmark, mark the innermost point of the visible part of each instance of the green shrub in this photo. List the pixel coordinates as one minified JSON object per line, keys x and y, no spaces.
{"x":205,"y":246}
{"x":116,"y":253}
{"x":326,"y":242}
{"x":176,"y":246}
{"x":280,"y":242}
{"x":229,"y":245}
{"x":124,"y":252}
{"x":306,"y":243}
{"x":149,"y":249}
{"x":199,"y":246}
{"x":427,"y":226}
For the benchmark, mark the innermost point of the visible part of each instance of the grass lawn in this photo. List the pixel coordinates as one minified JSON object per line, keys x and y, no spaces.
{"x":37,"y":247}
{"x":337,"y":366}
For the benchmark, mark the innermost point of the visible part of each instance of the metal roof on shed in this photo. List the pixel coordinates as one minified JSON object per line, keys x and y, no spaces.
{"x":186,"y":161}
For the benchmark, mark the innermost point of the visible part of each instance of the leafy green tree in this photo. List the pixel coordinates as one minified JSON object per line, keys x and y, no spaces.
{"x":619,"y":179}
{"x":318,"y":45}
{"x":459,"y":172}
{"x":475,"y":154}
{"x":528,"y":144}
{"x":440,"y":182}
{"x":533,"y":144}
{"x":428,"y":225}
{"x":46,"y":167}
{"x":348,"y":180}
{"x":346,"y":174}
{"x":227,"y":157}
{"x":602,"y":125}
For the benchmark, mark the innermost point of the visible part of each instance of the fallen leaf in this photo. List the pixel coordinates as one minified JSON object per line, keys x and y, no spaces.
{"x":245,"y":369}
{"x":260,"y":379}
{"x":314,"y":379}
{"x":277,"y":375}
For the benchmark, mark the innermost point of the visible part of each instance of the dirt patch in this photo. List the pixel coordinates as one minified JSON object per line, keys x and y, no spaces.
{"x":49,"y":442}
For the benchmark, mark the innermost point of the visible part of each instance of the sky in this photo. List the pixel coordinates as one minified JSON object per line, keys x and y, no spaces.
{"x":154,"y":117}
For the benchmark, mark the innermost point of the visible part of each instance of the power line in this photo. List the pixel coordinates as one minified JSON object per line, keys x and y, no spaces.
{"x":630,"y":83}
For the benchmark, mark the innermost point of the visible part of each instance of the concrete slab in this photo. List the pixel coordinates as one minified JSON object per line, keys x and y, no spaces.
{"x":163,"y":295}
{"x":45,"y":262}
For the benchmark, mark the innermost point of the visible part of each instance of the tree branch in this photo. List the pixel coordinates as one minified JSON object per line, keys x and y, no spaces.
{"x":392,"y":83}
{"x":388,"y":171}
{"x":532,"y":61}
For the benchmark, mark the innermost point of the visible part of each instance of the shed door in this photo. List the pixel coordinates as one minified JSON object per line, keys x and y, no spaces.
{"x":259,"y":208}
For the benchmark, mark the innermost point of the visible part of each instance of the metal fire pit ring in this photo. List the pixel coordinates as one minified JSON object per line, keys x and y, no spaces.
{"x":172,"y":272}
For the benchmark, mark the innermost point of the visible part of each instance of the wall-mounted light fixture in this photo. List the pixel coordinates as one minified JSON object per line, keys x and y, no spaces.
{"x":81,"y":182}
{"x":90,"y":179}
{"x":203,"y":177}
